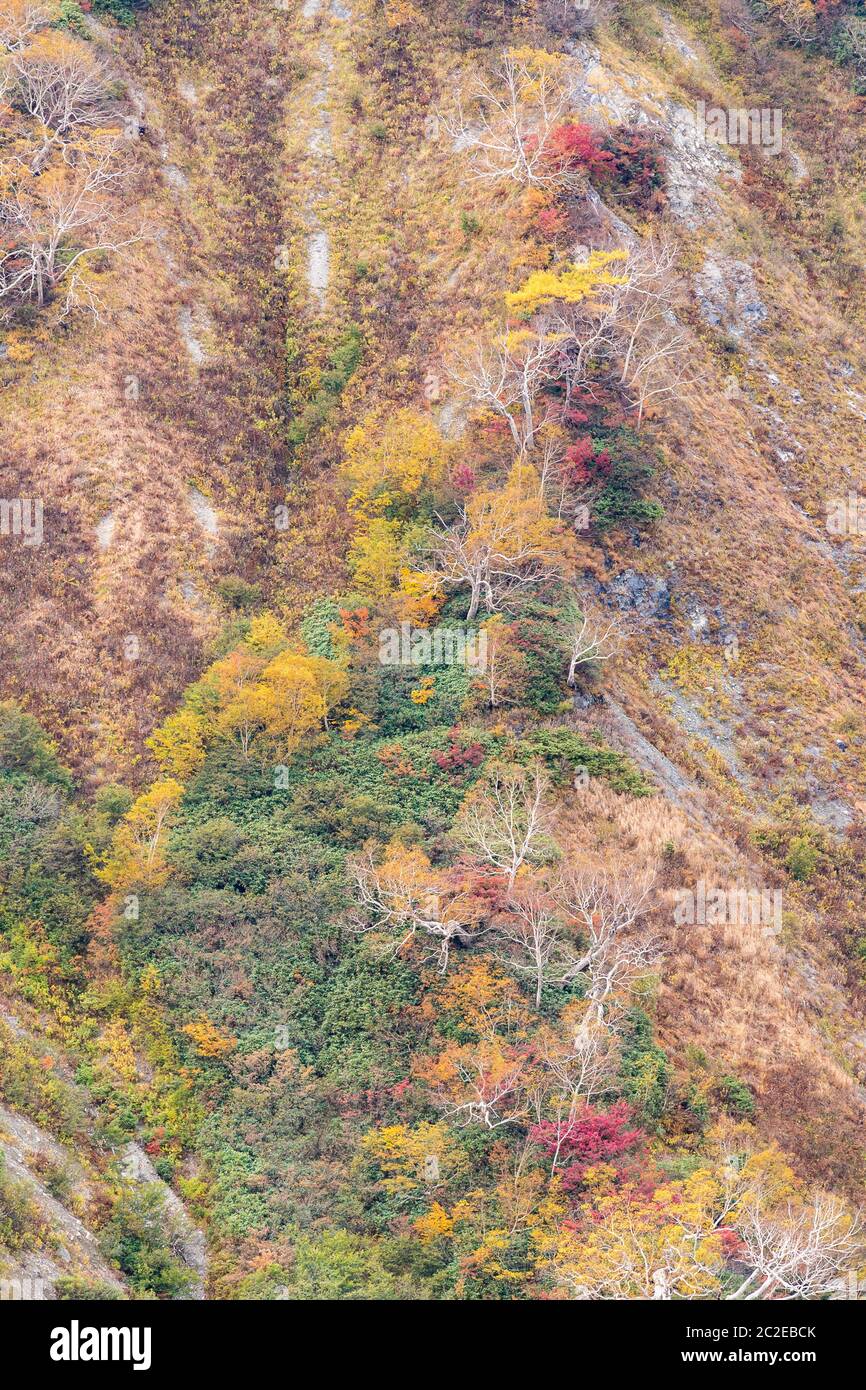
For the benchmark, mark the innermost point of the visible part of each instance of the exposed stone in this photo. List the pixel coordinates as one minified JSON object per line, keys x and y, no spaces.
{"x":728,"y":298}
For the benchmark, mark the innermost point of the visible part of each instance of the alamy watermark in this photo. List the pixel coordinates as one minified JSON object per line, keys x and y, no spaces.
{"x":846,"y":516}
{"x":737,"y":126}
{"x":738,"y":905}
{"x":22,"y":516}
{"x":438,"y":646}
{"x":23,"y":1290}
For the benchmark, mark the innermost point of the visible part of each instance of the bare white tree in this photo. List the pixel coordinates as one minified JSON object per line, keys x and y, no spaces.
{"x":584,"y":335}
{"x":853,"y":33}
{"x":21,"y":19}
{"x":532,"y":935}
{"x":578,"y":1070}
{"x":400,"y":900}
{"x":510,"y":120}
{"x":505,"y":375}
{"x":630,"y":329}
{"x":493,"y":1093}
{"x":800,"y":1252}
{"x":606,"y":908}
{"x":648,"y":341}
{"x":496,"y":551}
{"x":62,"y":86}
{"x":797,"y":18}
{"x":507,"y":821}
{"x":588,"y":642}
{"x":55,"y":221}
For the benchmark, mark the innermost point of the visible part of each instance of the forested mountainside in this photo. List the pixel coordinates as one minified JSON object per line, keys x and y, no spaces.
{"x":432,"y":709}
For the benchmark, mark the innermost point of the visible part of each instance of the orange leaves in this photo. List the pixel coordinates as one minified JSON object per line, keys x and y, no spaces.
{"x":481,"y":1083}
{"x":436,"y":1224}
{"x":209,"y":1041}
{"x":483,"y":998}
{"x":419,"y":598}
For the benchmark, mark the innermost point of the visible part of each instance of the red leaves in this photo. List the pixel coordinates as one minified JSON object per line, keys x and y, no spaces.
{"x":458,"y":757}
{"x":584,"y":464}
{"x":638,"y":167}
{"x":551,"y":222}
{"x":575,"y":146}
{"x":592,"y":1137}
{"x":463,"y":478}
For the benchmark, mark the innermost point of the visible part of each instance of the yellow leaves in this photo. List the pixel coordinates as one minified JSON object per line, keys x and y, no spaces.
{"x":400,"y":12}
{"x":419,"y":598}
{"x":628,"y":1238}
{"x":119,"y":1052}
{"x":538,"y":66}
{"x":234,"y":673}
{"x":577,"y":283}
{"x":297,"y":692}
{"x":17,"y":350}
{"x":513,"y":520}
{"x":405,"y":872}
{"x":435,"y":1225}
{"x":376,"y":558}
{"x":354,"y":723}
{"x":148,"y":813}
{"x":209,"y":1041}
{"x":136,"y":853}
{"x":769,"y":1178}
{"x":266,"y":636}
{"x":393,"y":457}
{"x":423,"y":692}
{"x":482,"y":997}
{"x":410,"y":1158}
{"x":178,"y":744}
{"x":54,"y":46}
{"x":260,"y":687}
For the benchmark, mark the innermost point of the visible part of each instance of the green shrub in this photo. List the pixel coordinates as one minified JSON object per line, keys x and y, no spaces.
{"x":138,"y":1238}
{"x":645,"y":1069}
{"x":633,"y":466}
{"x":801,"y":859}
{"x":26,"y":748}
{"x":736,"y":1096}
{"x":564,"y":752}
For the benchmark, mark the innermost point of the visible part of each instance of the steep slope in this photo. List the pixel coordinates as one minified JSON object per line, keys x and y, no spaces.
{"x":319,"y":268}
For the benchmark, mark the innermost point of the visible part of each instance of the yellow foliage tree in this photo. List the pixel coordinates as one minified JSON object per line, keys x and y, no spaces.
{"x":266,"y":636}
{"x":639,"y":1246}
{"x":178,"y":744}
{"x":505,"y":541}
{"x":393,"y":457}
{"x":419,"y":598}
{"x":573,"y":286}
{"x":136,"y":853}
{"x":209,"y":1041}
{"x":376,"y":558}
{"x":246,"y":713}
{"x":435,"y":1224}
{"x":411,"y":1158}
{"x":297,"y":692}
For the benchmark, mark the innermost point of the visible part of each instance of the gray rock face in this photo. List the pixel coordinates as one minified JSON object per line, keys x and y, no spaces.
{"x":694,"y":164}
{"x":649,"y":597}
{"x":728,"y":298}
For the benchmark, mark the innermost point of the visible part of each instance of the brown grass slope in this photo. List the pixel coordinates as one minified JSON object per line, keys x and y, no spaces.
{"x":281,"y":126}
